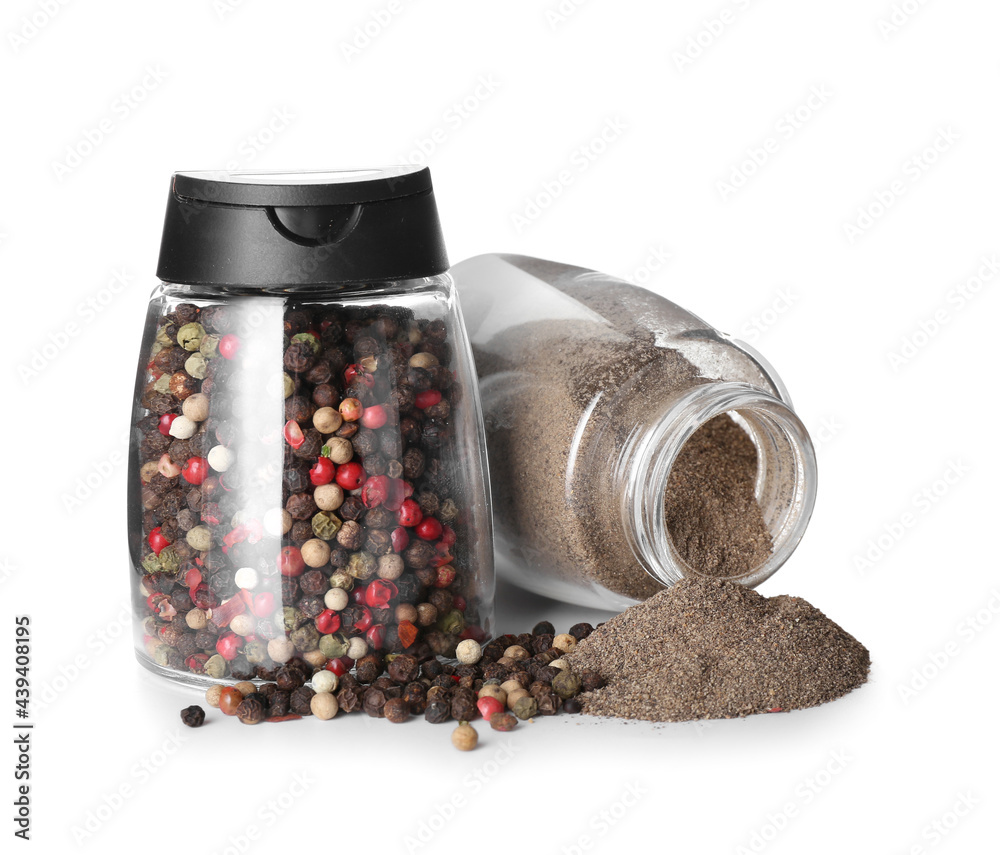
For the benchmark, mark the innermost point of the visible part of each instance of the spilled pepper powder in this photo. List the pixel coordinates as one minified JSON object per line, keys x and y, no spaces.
{"x":707,"y":648}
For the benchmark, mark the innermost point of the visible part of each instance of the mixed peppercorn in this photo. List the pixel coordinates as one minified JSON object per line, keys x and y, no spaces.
{"x":510,"y":679}
{"x":365,"y":557}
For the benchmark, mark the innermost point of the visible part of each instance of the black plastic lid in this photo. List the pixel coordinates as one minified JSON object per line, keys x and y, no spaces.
{"x":301,"y":228}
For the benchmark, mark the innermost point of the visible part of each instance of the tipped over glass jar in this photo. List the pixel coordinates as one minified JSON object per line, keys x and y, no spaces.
{"x":630,"y":443}
{"x":307,"y":476}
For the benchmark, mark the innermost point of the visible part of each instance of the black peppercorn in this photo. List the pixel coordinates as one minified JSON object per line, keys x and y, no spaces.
{"x":253,"y":709}
{"x":543,"y":627}
{"x":579,"y":631}
{"x":280,"y":703}
{"x":541,"y":643}
{"x":289,"y":679}
{"x":572,"y":705}
{"x":431,"y":669}
{"x":403,"y":669}
{"x":300,"y":700}
{"x":463,"y":704}
{"x":374,"y":702}
{"x":591,"y":680}
{"x":437,"y":711}
{"x":193,"y":716}
{"x":368,"y":668}
{"x":349,"y":698}
{"x":396,"y":710}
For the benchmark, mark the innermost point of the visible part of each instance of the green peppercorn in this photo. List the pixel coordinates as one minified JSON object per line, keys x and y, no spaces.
{"x":362,"y":565}
{"x":308,"y":338}
{"x":333,"y":646}
{"x":196,"y":365}
{"x":215,"y":666}
{"x":170,"y":562}
{"x":305,"y":638}
{"x":151,"y":564}
{"x":200,"y":538}
{"x":453,"y":623}
{"x":209,"y":346}
{"x":190,"y":335}
{"x":325,"y":525}
{"x":566,"y":684}
{"x":525,"y":708}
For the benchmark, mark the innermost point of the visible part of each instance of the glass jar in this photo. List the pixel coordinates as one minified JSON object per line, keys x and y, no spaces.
{"x":307,"y":476}
{"x":630,"y":443}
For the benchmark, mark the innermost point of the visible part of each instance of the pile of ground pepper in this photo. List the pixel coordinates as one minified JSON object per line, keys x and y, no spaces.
{"x":713,"y":649}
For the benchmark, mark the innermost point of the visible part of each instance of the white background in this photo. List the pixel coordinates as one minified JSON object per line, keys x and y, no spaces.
{"x":895,"y":406}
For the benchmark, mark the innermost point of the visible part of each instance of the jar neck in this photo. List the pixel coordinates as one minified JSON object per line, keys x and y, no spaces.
{"x":785,"y":486}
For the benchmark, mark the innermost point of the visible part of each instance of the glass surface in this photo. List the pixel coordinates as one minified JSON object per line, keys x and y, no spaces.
{"x":307,"y":479}
{"x":591,"y":387}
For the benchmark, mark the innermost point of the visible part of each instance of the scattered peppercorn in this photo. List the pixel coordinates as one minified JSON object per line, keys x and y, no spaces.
{"x":193,"y":716}
{"x":253,"y":709}
{"x":464,"y":737}
{"x":503,"y":721}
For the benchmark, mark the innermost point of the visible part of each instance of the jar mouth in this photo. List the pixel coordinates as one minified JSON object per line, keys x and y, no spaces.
{"x":784,"y":489}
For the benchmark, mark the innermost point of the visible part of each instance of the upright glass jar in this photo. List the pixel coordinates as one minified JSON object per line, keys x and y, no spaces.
{"x":307,"y":475}
{"x":631,"y":444}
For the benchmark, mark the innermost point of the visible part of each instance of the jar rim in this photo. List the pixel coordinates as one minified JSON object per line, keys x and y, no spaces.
{"x":786,"y":480}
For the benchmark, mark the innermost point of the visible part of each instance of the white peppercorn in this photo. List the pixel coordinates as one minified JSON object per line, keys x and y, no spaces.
{"x":324,"y":706}
{"x":277,"y":521}
{"x":243,"y":625}
{"x":212,"y":695}
{"x":357,"y":649}
{"x":247,"y":577}
{"x":324,"y":681}
{"x":280,"y":650}
{"x":327,"y":420}
{"x":565,"y":642}
{"x":315,"y":552}
{"x":469,"y":652}
{"x":195,"y":407}
{"x":328,"y":497}
{"x":220,"y":458}
{"x":196,"y":619}
{"x":336,"y":599}
{"x":183,"y":428}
